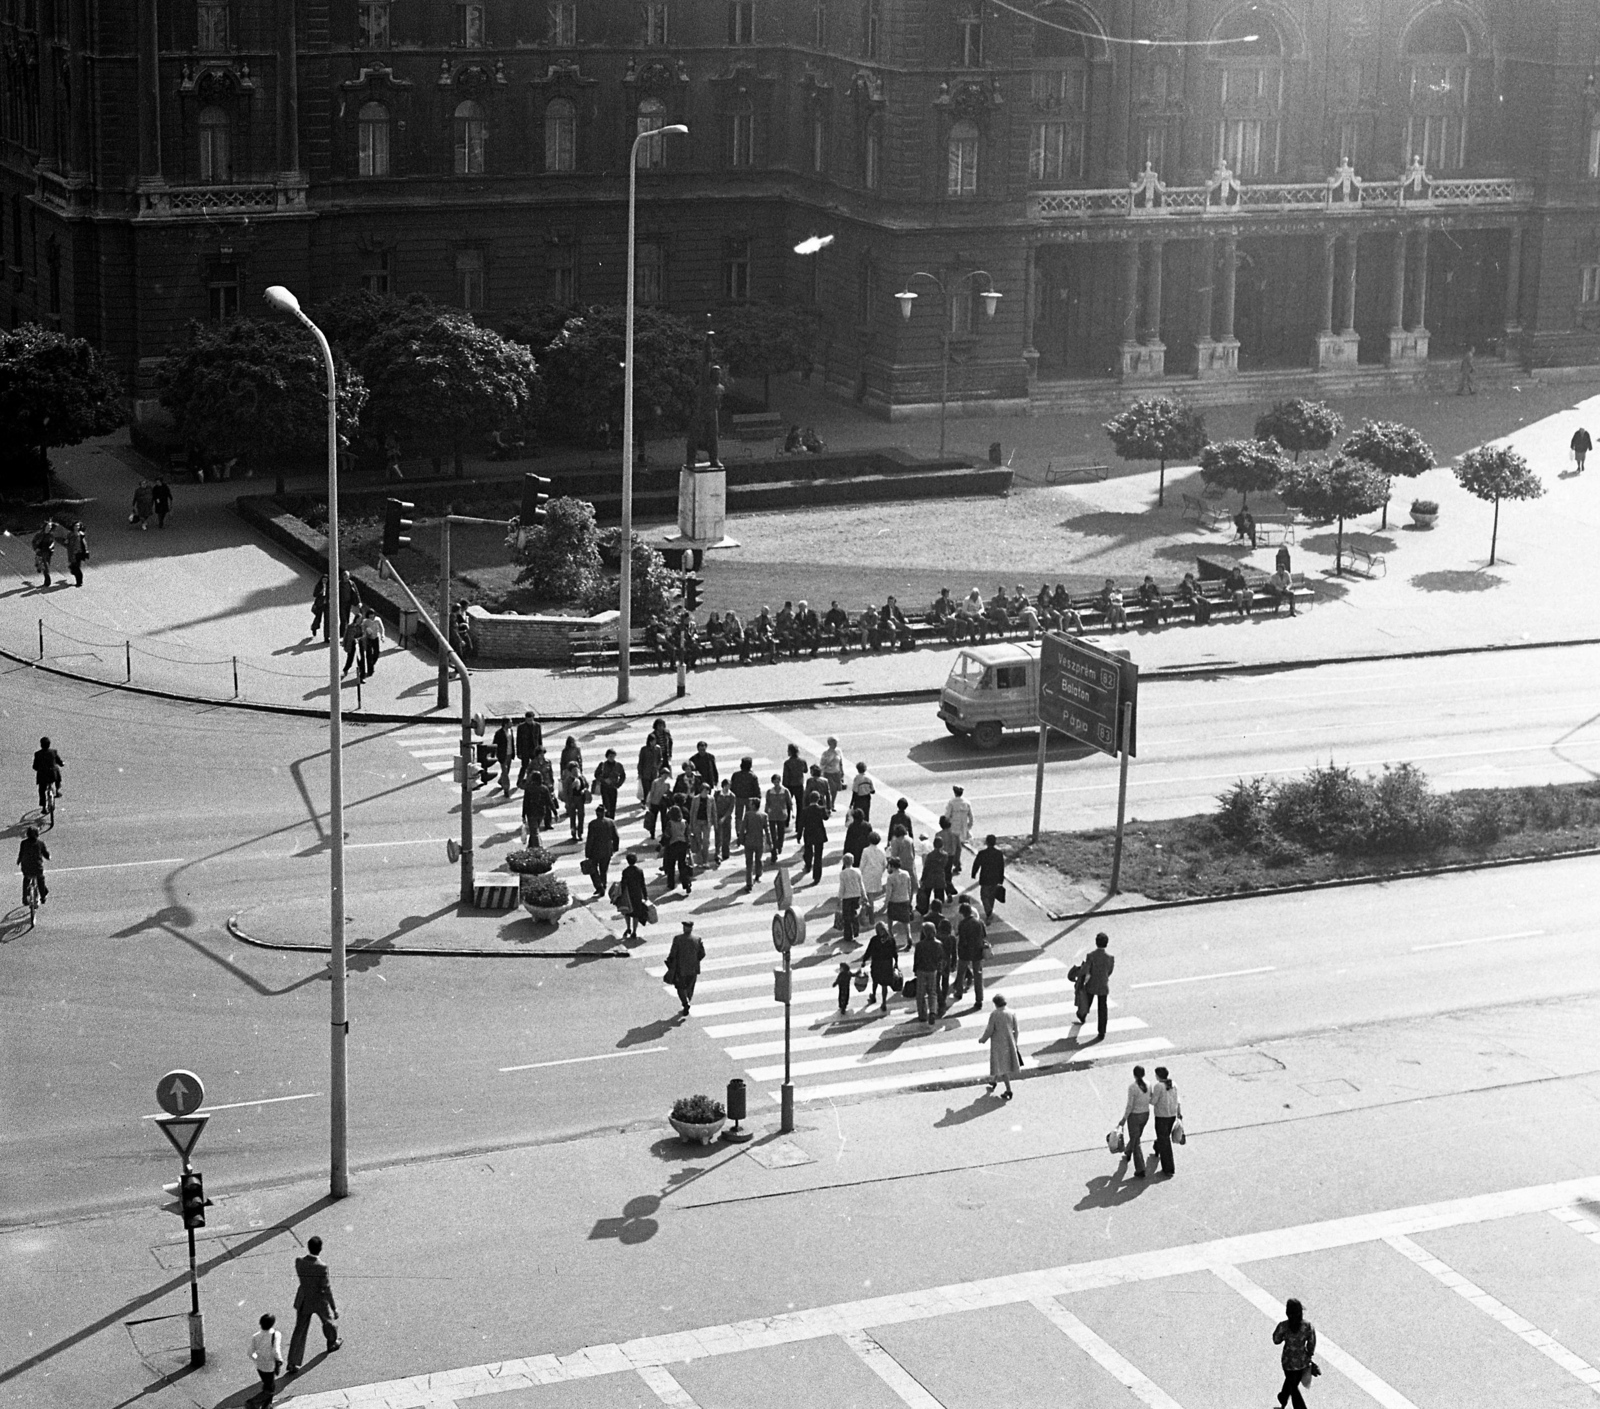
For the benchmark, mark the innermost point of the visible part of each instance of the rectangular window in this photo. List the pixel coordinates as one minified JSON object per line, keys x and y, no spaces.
{"x":1152,"y":146}
{"x":1056,"y":152}
{"x":372,"y":24}
{"x":650,"y":272}
{"x":212,"y":34}
{"x":819,"y":25}
{"x":813,"y":280}
{"x":969,"y":42}
{"x":736,"y":270}
{"x":867,"y":291}
{"x":564,"y":26}
{"x":743,"y":151}
{"x":222,"y":288}
{"x":872,"y":35}
{"x":469,"y":279}
{"x":1055,"y":89}
{"x":872,"y":159}
{"x":471,"y":25}
{"x":741,"y":21}
{"x":655,"y":24}
{"x":55,"y":279}
{"x":1239,"y":144}
{"x":563,"y":271}
{"x":819,"y":140}
{"x":961,"y":176}
{"x":1350,"y":141}
{"x":372,"y":140}
{"x":1591,"y":284}
{"x":961,"y":300}
{"x":375,"y":273}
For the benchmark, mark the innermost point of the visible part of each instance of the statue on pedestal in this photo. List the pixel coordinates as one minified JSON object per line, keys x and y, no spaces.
{"x":703,"y":420}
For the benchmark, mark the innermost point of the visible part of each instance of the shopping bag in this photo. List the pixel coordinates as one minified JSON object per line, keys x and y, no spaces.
{"x":896,"y":982}
{"x":614,"y":894}
{"x":860,"y":980}
{"x":1115,"y":1141}
{"x":650,"y":916}
{"x":1178,"y":1137}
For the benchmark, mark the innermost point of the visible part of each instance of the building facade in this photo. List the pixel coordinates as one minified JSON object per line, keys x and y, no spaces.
{"x":1169,"y":192}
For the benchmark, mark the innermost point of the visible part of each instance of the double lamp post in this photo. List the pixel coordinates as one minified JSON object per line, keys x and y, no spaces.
{"x":907,"y":299}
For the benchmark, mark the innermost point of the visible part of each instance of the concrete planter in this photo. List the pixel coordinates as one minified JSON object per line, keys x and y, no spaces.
{"x":694,"y":1133}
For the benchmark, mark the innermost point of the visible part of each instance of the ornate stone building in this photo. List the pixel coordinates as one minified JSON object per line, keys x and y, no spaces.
{"x":1191,"y":192}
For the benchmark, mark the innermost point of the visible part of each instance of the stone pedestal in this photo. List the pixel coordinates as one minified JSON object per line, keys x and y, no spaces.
{"x":1408,"y":347}
{"x":1144,"y":361}
{"x":702,"y":508}
{"x":1337,"y":350}
{"x":1216,"y":358}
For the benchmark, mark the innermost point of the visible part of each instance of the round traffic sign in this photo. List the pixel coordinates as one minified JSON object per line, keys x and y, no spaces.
{"x":794,"y":928}
{"x":180,"y":1092}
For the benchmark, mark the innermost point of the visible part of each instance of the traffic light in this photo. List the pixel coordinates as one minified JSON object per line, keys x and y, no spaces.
{"x":694,"y":587}
{"x":192,"y":1199}
{"x":397,"y":521}
{"x":534,"y":498}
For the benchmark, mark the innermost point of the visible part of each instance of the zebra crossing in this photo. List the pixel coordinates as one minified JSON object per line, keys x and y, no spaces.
{"x":833,"y":1055}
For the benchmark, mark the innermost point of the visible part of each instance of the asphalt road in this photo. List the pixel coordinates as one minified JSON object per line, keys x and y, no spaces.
{"x":174,"y":818}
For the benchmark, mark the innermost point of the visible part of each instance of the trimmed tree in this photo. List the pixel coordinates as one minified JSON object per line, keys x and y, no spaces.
{"x":654,"y":584}
{"x":438,"y":378}
{"x":537,"y":325}
{"x":54,"y":390}
{"x":765,"y":340}
{"x":582,"y":370}
{"x":561,"y":556}
{"x":1298,"y":424}
{"x":1393,"y":448}
{"x":1331,"y":491}
{"x":256,"y":391}
{"x":352,"y":319}
{"x":1495,"y":474}
{"x":1243,"y":466}
{"x":1158,"y":428}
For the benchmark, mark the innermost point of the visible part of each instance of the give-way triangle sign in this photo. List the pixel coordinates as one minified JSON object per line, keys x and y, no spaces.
{"x":184,"y":1132}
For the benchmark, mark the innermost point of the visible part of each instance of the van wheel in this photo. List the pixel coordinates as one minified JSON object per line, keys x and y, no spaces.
{"x":952,"y":728}
{"x":987,"y":735}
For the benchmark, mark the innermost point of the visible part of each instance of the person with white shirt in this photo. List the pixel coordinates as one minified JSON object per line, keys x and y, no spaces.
{"x":959,"y":811}
{"x":850,"y":894}
{"x":1135,"y":1115}
{"x":874,"y":866}
{"x":266,"y":1349}
{"x":898,"y":887}
{"x":1168,"y":1110}
{"x":832,"y":766}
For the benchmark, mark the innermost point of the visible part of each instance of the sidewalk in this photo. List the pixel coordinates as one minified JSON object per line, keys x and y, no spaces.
{"x":204,"y":608}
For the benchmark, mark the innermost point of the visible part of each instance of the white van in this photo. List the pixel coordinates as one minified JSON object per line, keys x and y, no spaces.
{"x":992,"y":689}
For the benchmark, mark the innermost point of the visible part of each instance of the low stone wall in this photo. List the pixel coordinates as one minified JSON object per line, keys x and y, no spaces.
{"x":505,"y":636}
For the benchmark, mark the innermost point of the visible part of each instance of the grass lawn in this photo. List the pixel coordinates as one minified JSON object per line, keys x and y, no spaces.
{"x":1187,"y":857}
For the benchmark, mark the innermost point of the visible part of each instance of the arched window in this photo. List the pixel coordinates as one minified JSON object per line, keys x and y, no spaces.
{"x":1250,"y":128}
{"x":961,"y":177}
{"x":652,"y":118}
{"x":1438,"y":70}
{"x":372,"y":140}
{"x":472,"y":134}
{"x":1059,"y":93}
{"x":872,"y":29}
{"x":215,"y":160}
{"x":560,"y":136}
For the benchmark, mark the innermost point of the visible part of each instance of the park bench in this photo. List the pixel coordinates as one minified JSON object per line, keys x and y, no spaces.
{"x":758,"y":426}
{"x":595,"y":647}
{"x":1276,"y":528}
{"x":1204,"y":514}
{"x":1369,"y":564}
{"x":1070,"y":474}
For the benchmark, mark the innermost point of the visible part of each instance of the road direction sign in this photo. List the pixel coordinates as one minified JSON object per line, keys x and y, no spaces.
{"x":180,"y":1092}
{"x":1082,"y":689}
{"x":184,"y":1132}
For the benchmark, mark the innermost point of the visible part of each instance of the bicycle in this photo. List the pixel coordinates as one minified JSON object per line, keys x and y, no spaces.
{"x":30,"y":895}
{"x":47,"y":802}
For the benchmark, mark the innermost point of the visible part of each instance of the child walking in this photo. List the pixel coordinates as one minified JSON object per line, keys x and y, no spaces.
{"x":842,"y":982}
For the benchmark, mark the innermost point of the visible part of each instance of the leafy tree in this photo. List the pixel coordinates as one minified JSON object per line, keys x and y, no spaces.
{"x":1495,"y":474}
{"x":1159,"y":428}
{"x":765,"y":340}
{"x":436,"y":378}
{"x":1299,"y":425}
{"x":652,"y":586}
{"x":1243,"y":465}
{"x":1393,"y":448}
{"x":351,"y":320}
{"x":256,"y":391}
{"x":582,"y":369}
{"x":561,"y":556}
{"x":1334,"y":490}
{"x":54,"y":390}
{"x":537,"y":325}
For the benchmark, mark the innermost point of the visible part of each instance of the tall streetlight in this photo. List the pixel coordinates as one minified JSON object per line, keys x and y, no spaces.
{"x":339,"y":1156}
{"x":991,"y":298}
{"x":625,"y":603}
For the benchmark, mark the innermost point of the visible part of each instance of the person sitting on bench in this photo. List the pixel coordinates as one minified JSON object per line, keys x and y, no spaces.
{"x":1111,"y":605}
{"x":871,"y":634}
{"x":716,"y":641}
{"x":783,"y":629}
{"x":1239,"y":591}
{"x":791,"y":442}
{"x":1023,"y":613}
{"x":733,"y":635}
{"x":999,"y":611}
{"x":971,"y":618}
{"x":894,"y":625}
{"x":836,"y":625}
{"x":1281,"y":587}
{"x":807,"y":629}
{"x":1198,"y":603}
{"x":759,"y":637}
{"x":1157,"y":606}
{"x":943,"y":613}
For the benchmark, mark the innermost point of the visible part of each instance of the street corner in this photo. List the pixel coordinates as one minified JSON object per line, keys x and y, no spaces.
{"x":428,"y":920}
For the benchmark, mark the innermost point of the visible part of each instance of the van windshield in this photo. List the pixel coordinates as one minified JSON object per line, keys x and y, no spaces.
{"x":971,"y":672}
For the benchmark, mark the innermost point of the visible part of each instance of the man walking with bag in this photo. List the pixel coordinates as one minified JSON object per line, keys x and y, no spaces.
{"x":989,"y":869}
{"x":1097,"y":978}
{"x":313,"y":1298}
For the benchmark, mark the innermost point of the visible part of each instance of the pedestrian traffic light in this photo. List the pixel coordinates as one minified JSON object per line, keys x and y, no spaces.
{"x":534,"y":498}
{"x":192,"y":1199}
{"x":397,"y":521}
{"x":694,"y":587}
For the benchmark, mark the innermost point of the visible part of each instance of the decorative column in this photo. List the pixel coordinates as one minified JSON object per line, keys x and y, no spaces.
{"x":1205,"y":273}
{"x":1513,"y":300}
{"x":1337,"y":349}
{"x":1419,"y":329}
{"x":1030,"y":294}
{"x":1132,"y":351}
{"x":1401,"y":346}
{"x":1225,"y":351}
{"x":1348,"y":326}
{"x":288,"y":92}
{"x":149,"y":68}
{"x":1155,"y":351}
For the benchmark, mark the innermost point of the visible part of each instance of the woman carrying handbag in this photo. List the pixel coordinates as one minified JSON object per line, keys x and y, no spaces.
{"x":1135,"y":1115}
{"x":1168,"y":1110}
{"x":1298,"y":1337}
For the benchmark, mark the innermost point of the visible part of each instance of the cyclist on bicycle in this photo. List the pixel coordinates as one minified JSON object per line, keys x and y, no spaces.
{"x":31,"y":856}
{"x":46,"y":771}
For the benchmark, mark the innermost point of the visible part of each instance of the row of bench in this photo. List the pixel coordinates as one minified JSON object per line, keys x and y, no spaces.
{"x":596,"y":649}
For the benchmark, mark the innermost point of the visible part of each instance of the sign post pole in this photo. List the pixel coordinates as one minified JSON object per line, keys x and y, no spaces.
{"x":197,"y":1322}
{"x":1038,"y":778}
{"x":1122,"y":798}
{"x":786,"y":1095}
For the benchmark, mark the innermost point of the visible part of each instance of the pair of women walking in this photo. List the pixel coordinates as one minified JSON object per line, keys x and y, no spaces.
{"x":1158,"y":1099}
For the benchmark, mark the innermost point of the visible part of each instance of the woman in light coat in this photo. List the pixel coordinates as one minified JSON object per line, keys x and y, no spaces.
{"x":874,"y":865}
{"x":1005,"y":1061}
{"x":1135,"y":1116}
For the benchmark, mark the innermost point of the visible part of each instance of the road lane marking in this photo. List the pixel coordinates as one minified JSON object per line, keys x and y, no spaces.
{"x":902,"y":1383}
{"x":240,"y":1105}
{"x":603,"y":1056}
{"x":665,"y":1388}
{"x":1121,"y":1369}
{"x":1201,"y":978}
{"x":1481,"y":939}
{"x":1525,"y":1331}
{"x":121,"y":865}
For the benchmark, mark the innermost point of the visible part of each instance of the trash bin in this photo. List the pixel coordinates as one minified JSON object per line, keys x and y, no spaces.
{"x":736,"y":1100}
{"x":995,"y":457}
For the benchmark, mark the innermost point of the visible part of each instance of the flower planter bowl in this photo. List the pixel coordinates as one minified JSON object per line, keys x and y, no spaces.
{"x":546,"y":914}
{"x":544,"y":897}
{"x":695,"y":1132}
{"x":1424,"y":520}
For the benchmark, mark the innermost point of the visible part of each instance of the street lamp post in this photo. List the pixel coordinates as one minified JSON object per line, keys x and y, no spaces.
{"x":339,"y":1156}
{"x":991,"y":298}
{"x":625,"y":585}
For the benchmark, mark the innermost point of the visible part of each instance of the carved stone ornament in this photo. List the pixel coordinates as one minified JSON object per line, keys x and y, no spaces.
{"x":214,"y":83}
{"x":375,"y":76}
{"x":474,"y":78}
{"x":655,"y":74}
{"x":969,"y":98}
{"x":564,"y":73}
{"x":867,"y":87}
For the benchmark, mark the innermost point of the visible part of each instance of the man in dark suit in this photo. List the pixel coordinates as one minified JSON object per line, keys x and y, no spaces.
{"x":313,"y":1298}
{"x":1097,"y":976}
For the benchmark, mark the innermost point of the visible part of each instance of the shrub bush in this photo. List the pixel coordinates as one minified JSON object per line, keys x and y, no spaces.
{"x":1326,"y":810}
{"x":531,"y":861}
{"x":698,"y":1110}
{"x":545,"y":891}
{"x":1407,"y":815}
{"x":1242,"y":815}
{"x":1485,"y":823}
{"x":561,"y":556}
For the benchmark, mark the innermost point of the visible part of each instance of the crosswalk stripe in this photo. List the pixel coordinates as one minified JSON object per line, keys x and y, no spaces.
{"x":862,"y":1034}
{"x":658,"y":952}
{"x":899,"y":1081}
{"x":809,"y":995}
{"x":901,"y":1383}
{"x":1121,"y":1369}
{"x":821,"y":1066}
{"x":819,"y":974}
